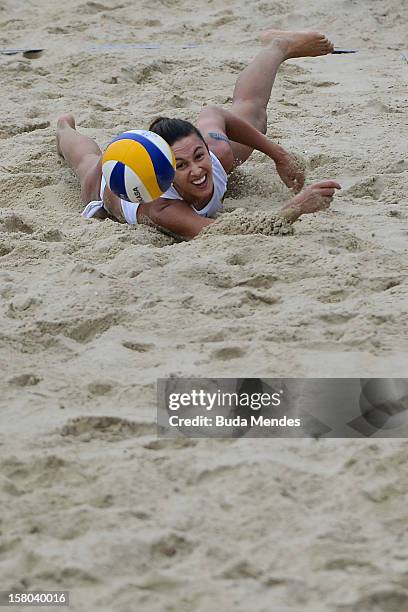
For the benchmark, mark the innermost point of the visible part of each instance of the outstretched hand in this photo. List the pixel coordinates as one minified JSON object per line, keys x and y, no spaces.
{"x":312,"y":199}
{"x":290,"y":172}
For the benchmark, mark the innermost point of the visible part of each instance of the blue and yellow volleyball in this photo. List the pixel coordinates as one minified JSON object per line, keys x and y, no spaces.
{"x":138,"y":165}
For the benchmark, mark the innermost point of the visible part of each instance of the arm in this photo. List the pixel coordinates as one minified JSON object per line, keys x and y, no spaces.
{"x":174,"y":216}
{"x":311,"y":200}
{"x":244,"y":133}
{"x":238,"y":130}
{"x":241,"y":131}
{"x":178,"y":218}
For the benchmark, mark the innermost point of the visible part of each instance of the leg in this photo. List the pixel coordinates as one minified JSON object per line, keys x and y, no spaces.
{"x":254,"y":85}
{"x":82,"y":155}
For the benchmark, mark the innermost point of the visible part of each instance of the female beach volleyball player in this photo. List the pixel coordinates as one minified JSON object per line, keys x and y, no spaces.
{"x":207,"y":152}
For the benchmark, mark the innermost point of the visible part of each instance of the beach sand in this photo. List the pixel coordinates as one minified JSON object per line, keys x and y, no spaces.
{"x":94,"y":312}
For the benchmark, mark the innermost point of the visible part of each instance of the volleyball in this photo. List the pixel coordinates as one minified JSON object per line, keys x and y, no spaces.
{"x":138,"y":165}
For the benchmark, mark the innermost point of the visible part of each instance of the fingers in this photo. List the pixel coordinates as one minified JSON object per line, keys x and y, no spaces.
{"x":300,"y":180}
{"x":290,"y":181}
{"x":297,"y":187}
{"x":297,"y":181}
{"x":324,"y":184}
{"x":327,"y":192}
{"x":291,"y":175}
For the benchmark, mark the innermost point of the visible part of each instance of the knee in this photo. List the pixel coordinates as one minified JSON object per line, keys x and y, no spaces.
{"x":210,"y":113}
{"x":252,"y":111}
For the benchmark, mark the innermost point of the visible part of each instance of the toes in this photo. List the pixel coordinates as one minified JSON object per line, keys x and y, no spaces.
{"x":326,"y":48}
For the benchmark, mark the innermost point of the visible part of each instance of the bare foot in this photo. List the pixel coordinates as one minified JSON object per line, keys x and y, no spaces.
{"x":298,"y":44}
{"x":65,"y":120}
{"x":312,"y":199}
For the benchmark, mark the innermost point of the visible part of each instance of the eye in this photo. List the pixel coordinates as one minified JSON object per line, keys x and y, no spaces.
{"x":180,"y":166}
{"x":200,"y":155}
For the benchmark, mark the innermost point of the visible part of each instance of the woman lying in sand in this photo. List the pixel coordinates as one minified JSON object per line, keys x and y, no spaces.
{"x":207,"y":152}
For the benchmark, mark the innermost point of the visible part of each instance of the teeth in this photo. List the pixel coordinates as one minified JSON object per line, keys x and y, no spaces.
{"x":201,"y":181}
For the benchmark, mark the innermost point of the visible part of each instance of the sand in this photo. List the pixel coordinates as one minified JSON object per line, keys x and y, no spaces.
{"x":94,"y":312}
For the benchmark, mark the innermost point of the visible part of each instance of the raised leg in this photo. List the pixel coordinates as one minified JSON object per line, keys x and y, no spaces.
{"x":82,"y":154}
{"x":254,"y":85}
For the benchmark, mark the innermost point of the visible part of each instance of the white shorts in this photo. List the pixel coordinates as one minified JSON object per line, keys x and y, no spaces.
{"x":129,"y":209}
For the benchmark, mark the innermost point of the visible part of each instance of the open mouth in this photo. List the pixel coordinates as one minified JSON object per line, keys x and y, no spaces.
{"x":202,"y":182}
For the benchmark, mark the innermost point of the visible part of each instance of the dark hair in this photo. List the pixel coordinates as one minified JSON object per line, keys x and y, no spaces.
{"x":172,"y":130}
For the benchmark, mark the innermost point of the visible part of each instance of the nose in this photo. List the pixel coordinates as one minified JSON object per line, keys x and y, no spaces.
{"x":195,"y":170}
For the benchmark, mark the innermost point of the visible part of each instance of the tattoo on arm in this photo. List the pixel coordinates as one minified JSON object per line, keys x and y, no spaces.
{"x":218,"y":136}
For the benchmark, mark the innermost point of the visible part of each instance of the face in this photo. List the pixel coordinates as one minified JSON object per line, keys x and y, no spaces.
{"x":193,"y":179}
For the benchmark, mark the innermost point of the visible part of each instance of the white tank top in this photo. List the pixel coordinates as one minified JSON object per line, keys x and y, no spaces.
{"x":220,"y":186}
